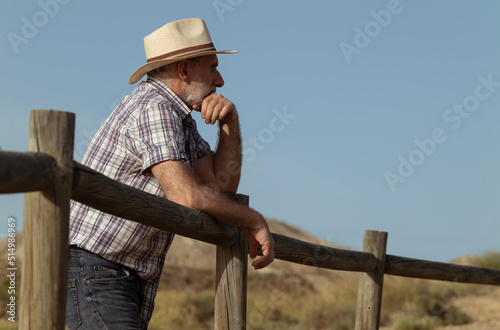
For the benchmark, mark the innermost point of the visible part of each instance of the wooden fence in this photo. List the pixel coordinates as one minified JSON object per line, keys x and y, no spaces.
{"x":50,"y":178}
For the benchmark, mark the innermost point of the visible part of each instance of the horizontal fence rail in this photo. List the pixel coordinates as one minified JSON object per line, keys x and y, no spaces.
{"x":22,"y":172}
{"x":101,"y":192}
{"x":305,"y":253}
{"x":432,"y":270}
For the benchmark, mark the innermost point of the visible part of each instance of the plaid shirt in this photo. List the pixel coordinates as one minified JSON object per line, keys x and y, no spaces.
{"x":149,"y":126}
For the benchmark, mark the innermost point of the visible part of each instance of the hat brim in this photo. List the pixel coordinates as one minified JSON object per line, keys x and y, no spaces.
{"x":144,"y":69}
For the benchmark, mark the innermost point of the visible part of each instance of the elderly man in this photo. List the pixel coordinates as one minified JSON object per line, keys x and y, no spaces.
{"x":150,"y":141}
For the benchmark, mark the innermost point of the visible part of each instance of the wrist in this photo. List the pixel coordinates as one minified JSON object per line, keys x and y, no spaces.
{"x":230,"y":126}
{"x":258,"y":221}
{"x":231,"y":118}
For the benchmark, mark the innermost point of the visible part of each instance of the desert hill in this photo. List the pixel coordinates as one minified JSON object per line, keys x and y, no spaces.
{"x":291,"y":296}
{"x":330,"y":294}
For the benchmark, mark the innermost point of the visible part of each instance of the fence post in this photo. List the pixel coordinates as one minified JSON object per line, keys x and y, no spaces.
{"x":46,"y":223}
{"x":370,"y":284}
{"x":231,"y":281}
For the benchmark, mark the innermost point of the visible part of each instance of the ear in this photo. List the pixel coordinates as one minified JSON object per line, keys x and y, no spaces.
{"x":184,"y":71}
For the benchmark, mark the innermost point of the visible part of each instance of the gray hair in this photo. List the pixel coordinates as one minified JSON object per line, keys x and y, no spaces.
{"x":169,"y":71}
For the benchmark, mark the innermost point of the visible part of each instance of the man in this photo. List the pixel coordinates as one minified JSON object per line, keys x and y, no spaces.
{"x":150,"y":142}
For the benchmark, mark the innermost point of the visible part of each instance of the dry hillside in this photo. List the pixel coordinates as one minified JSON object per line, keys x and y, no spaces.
{"x":188,"y":260}
{"x":290,"y":296}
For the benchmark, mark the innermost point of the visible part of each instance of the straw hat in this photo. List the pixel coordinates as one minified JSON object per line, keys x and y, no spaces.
{"x":176,"y":41}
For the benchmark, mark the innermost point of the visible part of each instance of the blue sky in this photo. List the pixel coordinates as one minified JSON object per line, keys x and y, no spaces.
{"x":355,"y":115}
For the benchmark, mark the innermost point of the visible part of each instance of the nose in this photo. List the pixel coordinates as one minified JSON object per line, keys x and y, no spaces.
{"x":217,"y":79}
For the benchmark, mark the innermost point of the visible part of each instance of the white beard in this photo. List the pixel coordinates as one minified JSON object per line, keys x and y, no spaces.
{"x":196,"y":92}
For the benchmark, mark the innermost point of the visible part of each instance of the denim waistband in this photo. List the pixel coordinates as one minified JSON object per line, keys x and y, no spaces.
{"x":76,"y":251}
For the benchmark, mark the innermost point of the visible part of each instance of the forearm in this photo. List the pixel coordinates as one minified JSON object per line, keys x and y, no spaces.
{"x":228,"y":157}
{"x":180,"y":186}
{"x":225,"y":210}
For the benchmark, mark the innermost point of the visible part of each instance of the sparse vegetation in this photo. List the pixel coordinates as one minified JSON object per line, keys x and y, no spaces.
{"x":183,"y":310}
{"x":414,"y":323}
{"x":307,"y":298}
{"x":274,"y":310}
{"x":489,"y":260}
{"x":276,"y":302}
{"x":424,"y":304}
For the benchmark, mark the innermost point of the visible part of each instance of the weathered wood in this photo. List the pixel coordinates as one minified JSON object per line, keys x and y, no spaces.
{"x":103,"y":193}
{"x":231,"y":281}
{"x":370,"y":284}
{"x":31,"y":171}
{"x":432,"y":270}
{"x":27,"y":171}
{"x":305,"y":253}
{"x":46,"y":221}
{"x":316,"y":255}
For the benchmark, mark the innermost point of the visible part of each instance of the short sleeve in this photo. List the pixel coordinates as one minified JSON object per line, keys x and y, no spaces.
{"x":158,"y":136}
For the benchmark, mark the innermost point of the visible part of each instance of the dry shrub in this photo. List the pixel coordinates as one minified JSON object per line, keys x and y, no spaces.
{"x":417,"y":323}
{"x":489,"y":260}
{"x":182,"y":310}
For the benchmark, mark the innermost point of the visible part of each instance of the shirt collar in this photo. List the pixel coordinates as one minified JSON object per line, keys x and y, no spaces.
{"x":168,"y":93}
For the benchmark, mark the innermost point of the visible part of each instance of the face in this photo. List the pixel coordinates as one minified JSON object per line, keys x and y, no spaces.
{"x":204,"y":80}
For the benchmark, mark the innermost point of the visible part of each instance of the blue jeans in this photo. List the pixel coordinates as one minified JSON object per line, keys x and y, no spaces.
{"x":101,"y":294}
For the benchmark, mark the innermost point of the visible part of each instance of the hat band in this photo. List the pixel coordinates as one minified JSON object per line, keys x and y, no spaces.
{"x":184,"y":52}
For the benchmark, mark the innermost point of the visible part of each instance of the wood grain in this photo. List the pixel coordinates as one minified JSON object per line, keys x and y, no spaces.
{"x":46,"y":223}
{"x":27,"y":171}
{"x":231,"y":281}
{"x":369,"y":302}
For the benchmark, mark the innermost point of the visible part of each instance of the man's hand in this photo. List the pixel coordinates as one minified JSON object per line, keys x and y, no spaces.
{"x":261,"y":236}
{"x":216,"y":107}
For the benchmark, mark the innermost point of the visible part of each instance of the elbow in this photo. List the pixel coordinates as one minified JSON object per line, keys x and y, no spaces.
{"x":187,"y":199}
{"x":224,"y":187}
{"x":227,"y":184}
{"x":231,"y":190}
{"x":194,"y":198}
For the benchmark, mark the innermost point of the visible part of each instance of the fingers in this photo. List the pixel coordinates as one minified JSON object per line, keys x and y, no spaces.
{"x":263,"y":238}
{"x":263,"y":261}
{"x":253,"y":250}
{"x":212,"y":108}
{"x":216,"y":107}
